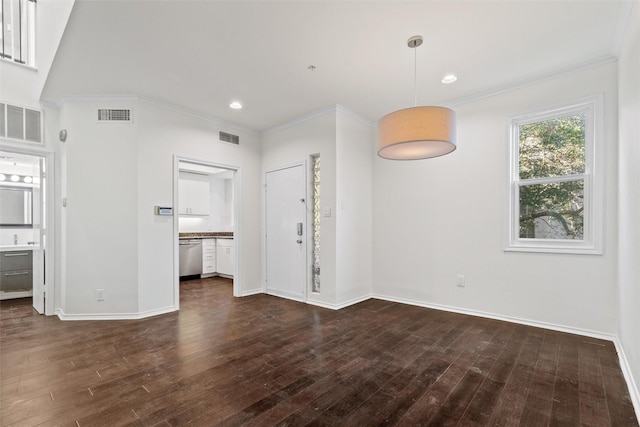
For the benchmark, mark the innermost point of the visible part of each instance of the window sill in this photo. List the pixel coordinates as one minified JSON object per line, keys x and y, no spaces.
{"x":18,"y":64}
{"x":560,"y":248}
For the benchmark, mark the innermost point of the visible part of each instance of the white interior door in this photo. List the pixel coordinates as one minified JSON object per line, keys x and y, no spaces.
{"x":39,"y":228}
{"x":285,"y":233}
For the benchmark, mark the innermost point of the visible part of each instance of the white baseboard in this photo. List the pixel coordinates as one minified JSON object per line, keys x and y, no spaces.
{"x":114,"y":316}
{"x":252,"y":292}
{"x":15,"y":294}
{"x":340,"y":305}
{"x":286,"y":295}
{"x":544,"y":325}
{"x":628,"y":376}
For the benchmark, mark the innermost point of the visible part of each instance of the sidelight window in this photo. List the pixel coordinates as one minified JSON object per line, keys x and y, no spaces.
{"x":315,"y":269}
{"x":555,"y":187}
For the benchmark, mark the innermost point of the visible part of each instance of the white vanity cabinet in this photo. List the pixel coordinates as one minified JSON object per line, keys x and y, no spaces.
{"x":208,"y":257}
{"x":193,"y":194}
{"x":225,"y":258}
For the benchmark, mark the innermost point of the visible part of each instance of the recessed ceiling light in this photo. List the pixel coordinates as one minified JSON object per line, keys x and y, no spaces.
{"x":449,"y":78}
{"x":2,"y":177}
{"x":15,"y":178}
{"x":28,"y":179}
{"x":235,"y":105}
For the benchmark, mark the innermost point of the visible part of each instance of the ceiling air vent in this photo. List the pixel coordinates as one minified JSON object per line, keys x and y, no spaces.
{"x":113,"y":115}
{"x":20,"y":123}
{"x":228,"y":137}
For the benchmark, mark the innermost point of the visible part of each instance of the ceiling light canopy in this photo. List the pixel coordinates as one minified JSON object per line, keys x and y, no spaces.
{"x":418,"y":132}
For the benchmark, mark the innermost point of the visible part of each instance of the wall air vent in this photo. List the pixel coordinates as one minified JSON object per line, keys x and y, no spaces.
{"x":20,"y":123}
{"x":228,"y":137}
{"x":113,"y":115}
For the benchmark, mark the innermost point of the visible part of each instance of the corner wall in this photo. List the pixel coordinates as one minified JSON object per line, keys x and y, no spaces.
{"x":98,"y":226}
{"x":629,"y":204}
{"x":354,"y":219}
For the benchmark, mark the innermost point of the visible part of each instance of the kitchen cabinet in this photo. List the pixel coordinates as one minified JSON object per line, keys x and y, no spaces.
{"x":193,"y":194}
{"x":225,"y":258}
{"x":16,"y":271}
{"x":208,"y":257}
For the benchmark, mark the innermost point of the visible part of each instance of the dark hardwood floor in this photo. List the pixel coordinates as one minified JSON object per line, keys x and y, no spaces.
{"x":263,"y":361}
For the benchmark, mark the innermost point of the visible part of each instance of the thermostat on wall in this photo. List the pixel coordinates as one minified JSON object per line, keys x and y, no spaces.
{"x":163,"y":210}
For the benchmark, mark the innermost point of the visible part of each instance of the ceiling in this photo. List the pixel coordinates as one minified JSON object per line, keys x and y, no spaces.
{"x":202,"y":55}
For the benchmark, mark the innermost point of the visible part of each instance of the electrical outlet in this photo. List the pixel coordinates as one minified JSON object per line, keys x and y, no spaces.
{"x":460,"y":282}
{"x":100,"y":294}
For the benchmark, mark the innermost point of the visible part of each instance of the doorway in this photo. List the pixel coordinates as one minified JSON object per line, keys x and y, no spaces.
{"x":209,"y":220}
{"x":286,"y":246}
{"x":31,"y":172}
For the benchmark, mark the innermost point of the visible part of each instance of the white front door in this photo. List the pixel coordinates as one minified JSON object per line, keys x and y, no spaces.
{"x":285,"y":232}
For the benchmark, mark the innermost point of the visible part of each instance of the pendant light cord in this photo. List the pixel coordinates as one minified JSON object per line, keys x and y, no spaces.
{"x":415,"y":78}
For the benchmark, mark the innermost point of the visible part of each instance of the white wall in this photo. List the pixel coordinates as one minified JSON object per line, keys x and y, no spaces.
{"x":434,"y":219}
{"x":113,"y":175}
{"x":99,"y":225}
{"x":295,"y":143}
{"x":354,"y":219}
{"x":163,"y":134}
{"x":629,"y":193}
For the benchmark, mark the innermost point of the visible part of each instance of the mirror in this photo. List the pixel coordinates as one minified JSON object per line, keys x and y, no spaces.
{"x":16,"y":206}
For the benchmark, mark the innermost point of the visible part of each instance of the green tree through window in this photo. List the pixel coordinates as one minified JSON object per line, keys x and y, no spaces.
{"x":551,"y":174}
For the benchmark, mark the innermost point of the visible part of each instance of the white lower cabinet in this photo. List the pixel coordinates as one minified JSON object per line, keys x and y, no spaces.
{"x":208,"y":256}
{"x":225,"y":258}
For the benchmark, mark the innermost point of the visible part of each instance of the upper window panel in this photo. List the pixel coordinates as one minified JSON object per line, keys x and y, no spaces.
{"x":554,"y":147}
{"x":17,"y":38}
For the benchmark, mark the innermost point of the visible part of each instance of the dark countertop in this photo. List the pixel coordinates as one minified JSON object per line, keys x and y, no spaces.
{"x":207,"y":235}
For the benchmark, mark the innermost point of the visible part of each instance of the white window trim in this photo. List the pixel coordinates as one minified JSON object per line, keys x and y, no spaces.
{"x":28,"y":38}
{"x":593,"y":180}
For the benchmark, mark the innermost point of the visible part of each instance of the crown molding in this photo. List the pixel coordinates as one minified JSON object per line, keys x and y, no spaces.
{"x":194,"y":114}
{"x":538,"y":78}
{"x":150,"y":101}
{"x":319,"y":113}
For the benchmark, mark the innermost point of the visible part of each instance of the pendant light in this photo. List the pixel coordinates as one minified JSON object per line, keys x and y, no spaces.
{"x":418,"y":132}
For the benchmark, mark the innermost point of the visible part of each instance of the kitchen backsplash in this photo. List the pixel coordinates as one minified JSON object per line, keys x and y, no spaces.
{"x":202,"y":224}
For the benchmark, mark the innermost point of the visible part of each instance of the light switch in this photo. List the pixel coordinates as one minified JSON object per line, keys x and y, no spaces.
{"x":326,"y":212}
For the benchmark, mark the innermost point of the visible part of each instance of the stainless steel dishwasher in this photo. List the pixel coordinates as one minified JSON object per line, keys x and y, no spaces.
{"x":190,"y":257}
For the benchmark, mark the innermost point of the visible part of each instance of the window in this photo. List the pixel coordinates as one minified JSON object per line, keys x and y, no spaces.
{"x":315,"y":269}
{"x":555,"y":187}
{"x":17,"y":38}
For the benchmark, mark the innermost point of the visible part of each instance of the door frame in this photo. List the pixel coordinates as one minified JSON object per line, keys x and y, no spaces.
{"x":49,"y":216}
{"x":237,"y":223}
{"x":302,"y":163}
